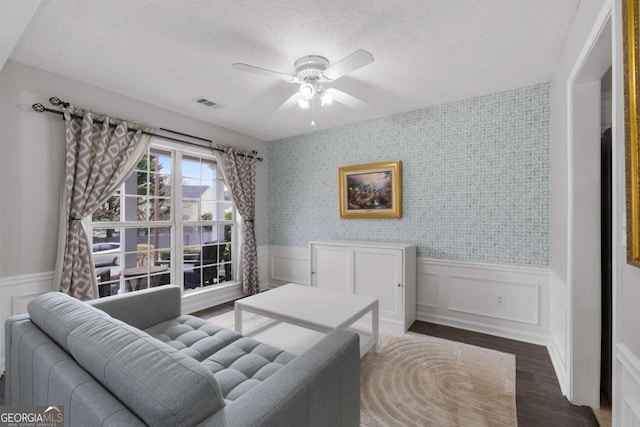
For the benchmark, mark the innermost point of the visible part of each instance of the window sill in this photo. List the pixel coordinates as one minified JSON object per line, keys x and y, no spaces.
{"x":196,"y":300}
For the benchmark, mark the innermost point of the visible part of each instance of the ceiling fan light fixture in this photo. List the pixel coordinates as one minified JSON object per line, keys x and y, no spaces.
{"x":307,"y":91}
{"x":326,"y":98}
{"x":303,"y":103}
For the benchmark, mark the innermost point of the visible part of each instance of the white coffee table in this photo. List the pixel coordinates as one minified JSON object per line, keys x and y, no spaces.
{"x":303,"y":315}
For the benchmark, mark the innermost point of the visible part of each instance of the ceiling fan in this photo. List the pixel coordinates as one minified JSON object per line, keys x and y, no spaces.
{"x":312,"y":73}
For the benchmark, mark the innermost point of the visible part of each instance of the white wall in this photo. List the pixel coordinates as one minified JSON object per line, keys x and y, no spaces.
{"x":32,"y":148}
{"x":626,"y":291}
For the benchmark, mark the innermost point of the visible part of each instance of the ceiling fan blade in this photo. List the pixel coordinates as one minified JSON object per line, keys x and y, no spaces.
{"x":293,"y":99}
{"x":257,"y":70}
{"x":357,"y":59}
{"x":346,"y":99}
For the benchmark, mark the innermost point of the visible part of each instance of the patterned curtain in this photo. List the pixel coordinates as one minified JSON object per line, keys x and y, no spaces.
{"x":99,"y":158}
{"x":240,"y":173}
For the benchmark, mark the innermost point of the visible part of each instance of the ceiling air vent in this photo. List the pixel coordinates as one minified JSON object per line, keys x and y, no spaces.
{"x":205,"y":101}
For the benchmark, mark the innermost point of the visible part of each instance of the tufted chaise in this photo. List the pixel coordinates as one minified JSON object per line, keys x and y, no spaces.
{"x":134,"y":359}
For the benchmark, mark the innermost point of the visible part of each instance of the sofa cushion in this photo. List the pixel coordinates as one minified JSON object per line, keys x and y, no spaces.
{"x":193,"y":336}
{"x":159,"y":384}
{"x":58,"y":314}
{"x":238,"y":363}
{"x":244,"y":364}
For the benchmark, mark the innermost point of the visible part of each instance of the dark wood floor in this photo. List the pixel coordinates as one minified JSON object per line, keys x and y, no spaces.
{"x":539,"y":400}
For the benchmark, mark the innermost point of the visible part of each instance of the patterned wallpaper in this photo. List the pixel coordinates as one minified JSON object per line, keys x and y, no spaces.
{"x":475,"y":180}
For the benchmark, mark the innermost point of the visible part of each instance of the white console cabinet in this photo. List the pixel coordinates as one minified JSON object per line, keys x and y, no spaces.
{"x":386,"y":271}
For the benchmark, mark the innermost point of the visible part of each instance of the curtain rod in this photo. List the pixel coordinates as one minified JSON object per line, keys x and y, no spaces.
{"x":57,"y":101}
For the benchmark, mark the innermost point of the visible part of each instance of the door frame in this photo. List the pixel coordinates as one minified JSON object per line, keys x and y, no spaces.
{"x":583,"y":322}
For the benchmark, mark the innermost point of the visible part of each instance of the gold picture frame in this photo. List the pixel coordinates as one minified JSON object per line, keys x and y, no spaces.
{"x":631,"y":52}
{"x":371,"y":191}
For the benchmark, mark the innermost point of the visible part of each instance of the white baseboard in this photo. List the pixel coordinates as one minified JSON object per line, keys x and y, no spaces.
{"x":558,"y":365}
{"x":458,"y":294}
{"x":483,"y":328}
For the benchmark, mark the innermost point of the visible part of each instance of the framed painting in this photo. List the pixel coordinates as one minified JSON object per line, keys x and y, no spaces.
{"x":371,"y":191}
{"x":630,"y":69}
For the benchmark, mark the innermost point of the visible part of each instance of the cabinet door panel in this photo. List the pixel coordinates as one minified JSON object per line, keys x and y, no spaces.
{"x":377,"y":273}
{"x":331,"y":268}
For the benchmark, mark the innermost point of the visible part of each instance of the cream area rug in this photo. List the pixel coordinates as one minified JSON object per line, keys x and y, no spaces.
{"x":418,"y":380}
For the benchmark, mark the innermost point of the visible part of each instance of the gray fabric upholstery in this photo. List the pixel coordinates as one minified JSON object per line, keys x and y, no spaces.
{"x":157,"y":382}
{"x":193,"y":336}
{"x":58,"y":314}
{"x":319,"y":388}
{"x":238,"y":363}
{"x":39,"y":372}
{"x":244,"y":364}
{"x":262,"y":385}
{"x":145,"y":308}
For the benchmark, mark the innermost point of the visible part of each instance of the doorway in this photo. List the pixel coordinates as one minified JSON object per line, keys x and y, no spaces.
{"x":606,"y":200}
{"x":606,"y":268}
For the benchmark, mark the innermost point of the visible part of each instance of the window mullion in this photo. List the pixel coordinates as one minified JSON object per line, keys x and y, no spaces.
{"x":176,"y":195}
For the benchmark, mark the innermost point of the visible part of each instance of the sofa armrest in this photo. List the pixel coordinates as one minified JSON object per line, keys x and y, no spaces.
{"x":145,"y":308}
{"x":321,"y":387}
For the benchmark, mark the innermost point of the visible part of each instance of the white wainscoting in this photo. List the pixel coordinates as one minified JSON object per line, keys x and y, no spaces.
{"x":501,"y":300}
{"x":15,"y":294}
{"x":558,"y":343}
{"x":628,"y":387}
{"x":263,"y":266}
{"x":288,"y":265}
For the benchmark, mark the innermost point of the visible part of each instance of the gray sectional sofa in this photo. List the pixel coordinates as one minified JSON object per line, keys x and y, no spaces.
{"x":134,"y":359}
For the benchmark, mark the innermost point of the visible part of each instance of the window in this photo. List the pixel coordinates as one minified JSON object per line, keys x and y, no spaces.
{"x":207,"y":219}
{"x":171,"y":221}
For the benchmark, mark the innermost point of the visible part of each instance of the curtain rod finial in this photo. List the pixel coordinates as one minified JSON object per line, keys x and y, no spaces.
{"x":54,"y":100}
{"x":38,"y":107}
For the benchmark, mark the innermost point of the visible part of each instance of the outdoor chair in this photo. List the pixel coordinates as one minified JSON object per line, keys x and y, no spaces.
{"x":192,"y":271}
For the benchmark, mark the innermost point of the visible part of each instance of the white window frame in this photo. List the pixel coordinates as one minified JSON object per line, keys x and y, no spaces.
{"x":199,"y":298}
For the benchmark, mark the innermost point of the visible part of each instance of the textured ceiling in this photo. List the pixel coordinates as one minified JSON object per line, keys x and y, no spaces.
{"x":169,"y":53}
